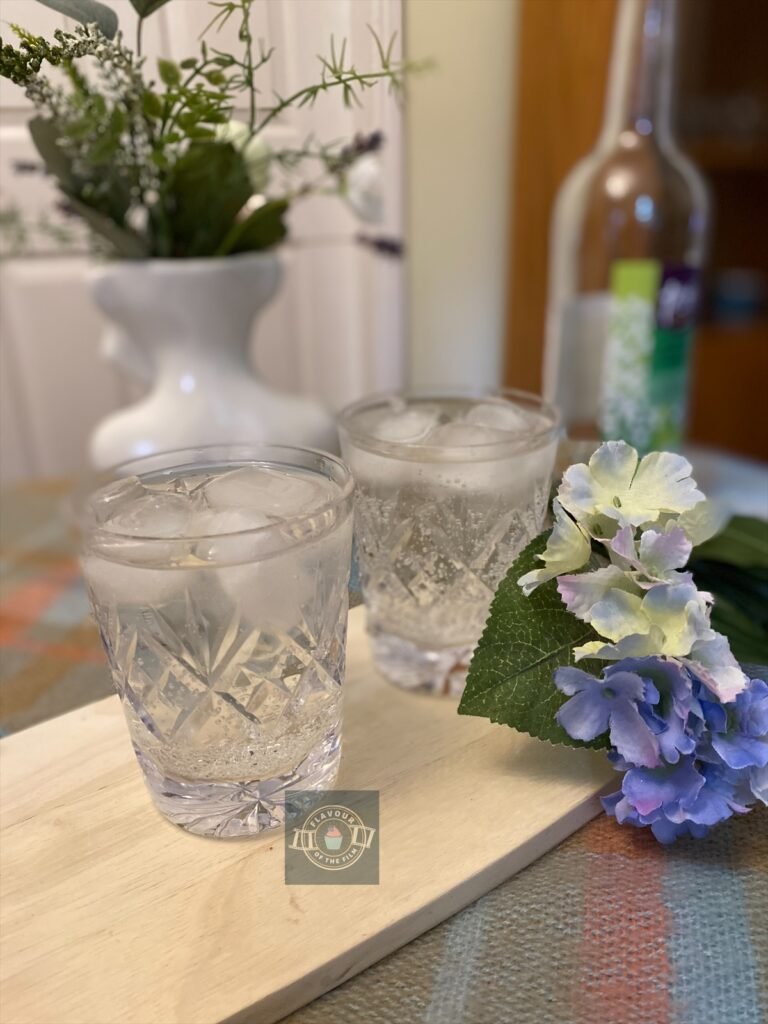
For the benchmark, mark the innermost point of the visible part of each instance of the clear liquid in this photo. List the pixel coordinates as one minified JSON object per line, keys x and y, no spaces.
{"x":227,"y":673}
{"x":436,"y":534}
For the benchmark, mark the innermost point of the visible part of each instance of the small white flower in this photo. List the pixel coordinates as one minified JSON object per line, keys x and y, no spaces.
{"x":364,"y":189}
{"x":567,"y":550}
{"x":614,"y":484}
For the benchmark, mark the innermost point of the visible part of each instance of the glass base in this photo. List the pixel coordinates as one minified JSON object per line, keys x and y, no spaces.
{"x":233,"y":810}
{"x":441,"y":672}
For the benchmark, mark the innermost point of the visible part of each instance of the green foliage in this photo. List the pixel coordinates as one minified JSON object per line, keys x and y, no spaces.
{"x":86,"y":12}
{"x":170,"y":72}
{"x":744,"y":542}
{"x":733,"y":567}
{"x":126,"y":244}
{"x":153,"y":165}
{"x":525,"y":640}
{"x":203,"y":193}
{"x":262,"y":229}
{"x":146,"y":7}
{"x":45,"y":138}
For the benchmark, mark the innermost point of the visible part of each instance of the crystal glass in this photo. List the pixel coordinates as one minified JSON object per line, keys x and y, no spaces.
{"x":218,"y":578}
{"x":449,"y":489}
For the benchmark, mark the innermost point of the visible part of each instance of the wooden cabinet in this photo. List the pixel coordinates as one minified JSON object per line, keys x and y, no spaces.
{"x":723,"y":117}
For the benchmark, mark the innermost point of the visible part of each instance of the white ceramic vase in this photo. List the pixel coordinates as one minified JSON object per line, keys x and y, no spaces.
{"x":186,"y":324}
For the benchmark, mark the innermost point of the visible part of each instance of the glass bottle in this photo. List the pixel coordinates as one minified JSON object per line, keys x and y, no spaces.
{"x":627,"y":244}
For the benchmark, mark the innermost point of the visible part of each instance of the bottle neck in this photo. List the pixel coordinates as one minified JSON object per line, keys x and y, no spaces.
{"x":640,"y":84}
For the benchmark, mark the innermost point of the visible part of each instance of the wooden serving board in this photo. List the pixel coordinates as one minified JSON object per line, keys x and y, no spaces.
{"x":110,"y":914}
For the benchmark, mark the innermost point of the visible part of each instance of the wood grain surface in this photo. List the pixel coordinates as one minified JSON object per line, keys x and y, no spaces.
{"x":110,"y":914}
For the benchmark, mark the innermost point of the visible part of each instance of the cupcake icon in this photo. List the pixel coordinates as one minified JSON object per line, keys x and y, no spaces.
{"x":332,"y":838}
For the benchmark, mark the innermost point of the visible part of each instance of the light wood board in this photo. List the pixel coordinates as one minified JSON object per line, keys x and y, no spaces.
{"x":110,"y":914}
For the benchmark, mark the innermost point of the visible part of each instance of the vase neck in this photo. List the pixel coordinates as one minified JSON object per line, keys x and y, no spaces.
{"x":201,"y":309}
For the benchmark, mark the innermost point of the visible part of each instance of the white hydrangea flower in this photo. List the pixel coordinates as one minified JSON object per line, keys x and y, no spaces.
{"x":567,"y":550}
{"x":669,"y":619}
{"x":631,"y":491}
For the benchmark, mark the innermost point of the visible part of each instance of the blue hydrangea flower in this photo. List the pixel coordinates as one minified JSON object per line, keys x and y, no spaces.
{"x":739,"y":732}
{"x":687,"y":799}
{"x":597,"y":706}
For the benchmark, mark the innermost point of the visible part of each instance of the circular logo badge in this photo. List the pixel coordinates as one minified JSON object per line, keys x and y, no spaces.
{"x":333,"y":837}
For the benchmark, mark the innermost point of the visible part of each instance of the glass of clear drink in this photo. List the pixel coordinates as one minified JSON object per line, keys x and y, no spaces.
{"x":218,"y":579}
{"x":449,"y":489}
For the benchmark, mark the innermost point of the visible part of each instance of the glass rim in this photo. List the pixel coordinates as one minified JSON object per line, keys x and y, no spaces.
{"x":268,"y":454}
{"x":410,"y":450}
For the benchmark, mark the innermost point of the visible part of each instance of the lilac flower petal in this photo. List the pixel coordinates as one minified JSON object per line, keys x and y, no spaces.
{"x":650,"y":694}
{"x":715,"y":716}
{"x":660,"y":553}
{"x":752,"y":708}
{"x":632,"y":737}
{"x":668,"y":676}
{"x":712,"y":662}
{"x":667,"y":831}
{"x":609,"y":802}
{"x":625,"y":684}
{"x":649,"y":789}
{"x":572,"y":680}
{"x":740,"y":751}
{"x":623,"y":545}
{"x":581,"y":591}
{"x":585,"y":715}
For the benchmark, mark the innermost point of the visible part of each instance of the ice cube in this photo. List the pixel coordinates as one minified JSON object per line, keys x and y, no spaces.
{"x":114,"y":496}
{"x":157,"y":514}
{"x":408,"y":427}
{"x":263,"y":491}
{"x":463,"y":435}
{"x":501,"y":416}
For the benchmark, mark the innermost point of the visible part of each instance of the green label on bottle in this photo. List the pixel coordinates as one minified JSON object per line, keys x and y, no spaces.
{"x":647,"y":355}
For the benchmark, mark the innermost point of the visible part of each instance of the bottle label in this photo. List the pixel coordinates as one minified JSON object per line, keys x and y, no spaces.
{"x":647,"y":355}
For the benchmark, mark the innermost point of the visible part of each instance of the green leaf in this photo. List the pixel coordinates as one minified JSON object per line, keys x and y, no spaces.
{"x":45,"y":137}
{"x":170,"y":73}
{"x":86,"y":12}
{"x":152,"y":105}
{"x":743,"y":542}
{"x":203,"y":193}
{"x":263,"y":229}
{"x":146,"y":7}
{"x":188,"y":63}
{"x":733,"y":567}
{"x":125,"y":243}
{"x":747,"y":636}
{"x":525,"y":640}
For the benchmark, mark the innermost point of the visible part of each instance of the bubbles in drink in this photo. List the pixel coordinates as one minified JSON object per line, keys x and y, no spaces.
{"x":221,"y":596}
{"x":442,"y":511}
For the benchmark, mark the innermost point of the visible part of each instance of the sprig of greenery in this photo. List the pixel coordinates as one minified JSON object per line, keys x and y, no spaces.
{"x":141,"y":159}
{"x":337,"y":73}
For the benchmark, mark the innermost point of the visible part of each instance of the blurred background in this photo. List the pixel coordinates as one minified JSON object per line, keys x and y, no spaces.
{"x":471,"y":168}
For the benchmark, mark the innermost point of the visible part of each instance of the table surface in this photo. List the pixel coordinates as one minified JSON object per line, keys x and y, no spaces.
{"x":609,"y":928}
